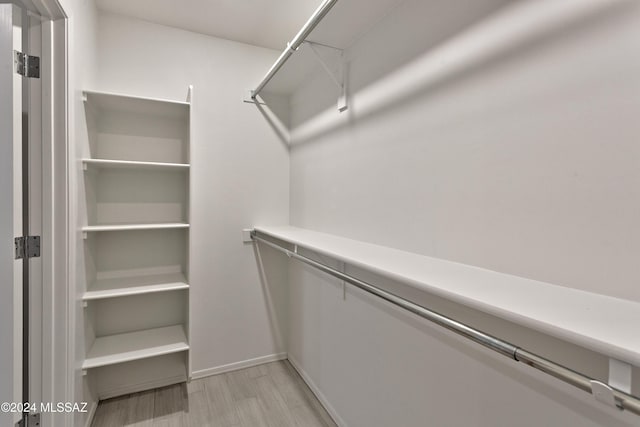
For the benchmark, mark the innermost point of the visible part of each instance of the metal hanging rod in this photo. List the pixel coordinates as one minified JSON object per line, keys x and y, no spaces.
{"x":620,"y":399}
{"x":308,"y":27}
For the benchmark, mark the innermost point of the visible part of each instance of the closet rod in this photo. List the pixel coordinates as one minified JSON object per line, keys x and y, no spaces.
{"x":622,"y":400}
{"x":315,"y":19}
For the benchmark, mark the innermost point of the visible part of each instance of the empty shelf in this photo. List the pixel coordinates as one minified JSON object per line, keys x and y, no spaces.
{"x":132,"y":164}
{"x":105,"y":101}
{"x":135,"y":285}
{"x":114,"y":349}
{"x":125,"y":227}
{"x":598,"y":322}
{"x":345,"y":23}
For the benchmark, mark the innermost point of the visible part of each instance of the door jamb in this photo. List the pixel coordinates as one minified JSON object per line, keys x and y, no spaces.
{"x":57,"y":351}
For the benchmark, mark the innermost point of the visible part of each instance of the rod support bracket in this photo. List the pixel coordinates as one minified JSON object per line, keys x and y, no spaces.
{"x":250,"y":98}
{"x":619,"y":379}
{"x":603,"y":393}
{"x":248,"y":235}
{"x":620,"y":375}
{"x":339,"y":77}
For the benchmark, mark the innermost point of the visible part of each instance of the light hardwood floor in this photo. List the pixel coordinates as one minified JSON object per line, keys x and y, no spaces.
{"x":269,"y":395}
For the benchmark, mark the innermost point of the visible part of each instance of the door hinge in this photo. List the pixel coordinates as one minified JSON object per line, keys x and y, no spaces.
{"x":26,"y":65}
{"x":33,"y":420}
{"x":27,"y":247}
{"x":30,"y":420}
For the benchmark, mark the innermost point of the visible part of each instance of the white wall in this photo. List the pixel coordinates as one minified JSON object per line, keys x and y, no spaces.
{"x":82,"y":44}
{"x":523,"y":164}
{"x":239,"y":177}
{"x":521,"y":158}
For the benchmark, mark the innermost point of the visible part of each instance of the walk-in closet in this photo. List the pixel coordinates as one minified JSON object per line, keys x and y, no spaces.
{"x":320,"y":213}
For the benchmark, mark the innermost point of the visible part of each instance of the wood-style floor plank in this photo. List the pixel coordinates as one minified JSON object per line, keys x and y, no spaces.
{"x":169,"y":406}
{"x":269,"y":395}
{"x":250,"y":412}
{"x":277,"y":413}
{"x":198,"y":413}
{"x":138,"y":409}
{"x":240,"y":385}
{"x":110,"y":413}
{"x":221,"y":400}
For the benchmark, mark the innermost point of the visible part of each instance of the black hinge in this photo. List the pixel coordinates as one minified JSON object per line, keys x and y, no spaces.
{"x":26,"y":65}
{"x":31,"y":420}
{"x":27,"y":247}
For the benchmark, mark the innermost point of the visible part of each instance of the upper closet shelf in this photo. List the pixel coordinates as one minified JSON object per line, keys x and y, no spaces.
{"x":106,"y":101}
{"x":132,"y":164}
{"x":601,"y":323}
{"x":335,"y":25}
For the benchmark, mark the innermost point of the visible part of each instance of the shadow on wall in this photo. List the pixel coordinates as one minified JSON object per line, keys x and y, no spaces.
{"x":275,"y":112}
{"x":312,"y":287}
{"x":272,"y":270}
{"x":420,"y":48}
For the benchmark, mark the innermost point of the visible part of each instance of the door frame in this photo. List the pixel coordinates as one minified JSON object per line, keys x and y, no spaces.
{"x":52,"y":335}
{"x":57,"y":351}
{"x":10,"y":214}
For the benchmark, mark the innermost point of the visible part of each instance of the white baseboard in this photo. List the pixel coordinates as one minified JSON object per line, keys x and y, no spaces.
{"x":91,"y":414}
{"x":323,"y":400}
{"x":134,"y":388}
{"x":237,"y":365}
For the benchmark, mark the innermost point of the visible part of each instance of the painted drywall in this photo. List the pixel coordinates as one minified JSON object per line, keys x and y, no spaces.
{"x":375,"y":365}
{"x":82,"y":43}
{"x":509,"y":145}
{"x":81,"y":25}
{"x":239,"y":177}
{"x":523,"y":164}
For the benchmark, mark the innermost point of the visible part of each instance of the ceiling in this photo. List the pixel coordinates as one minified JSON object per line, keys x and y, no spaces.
{"x":267,"y":23}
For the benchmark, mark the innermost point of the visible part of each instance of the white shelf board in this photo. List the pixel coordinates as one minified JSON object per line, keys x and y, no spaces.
{"x":132,"y":164}
{"x":135,"y":285}
{"x":604,"y":324}
{"x":120,"y":348}
{"x":345,"y":23}
{"x":107,"y":101}
{"x":127,"y":227}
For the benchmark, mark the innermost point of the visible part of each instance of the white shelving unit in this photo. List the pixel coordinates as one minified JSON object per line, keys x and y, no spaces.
{"x":136,"y":239}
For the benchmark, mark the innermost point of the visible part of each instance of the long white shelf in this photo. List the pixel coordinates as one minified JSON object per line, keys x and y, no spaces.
{"x":120,"y":348}
{"x":135,"y":285}
{"x":126,"y":227}
{"x":132,"y":164}
{"x":345,"y":23}
{"x":604,"y":324}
